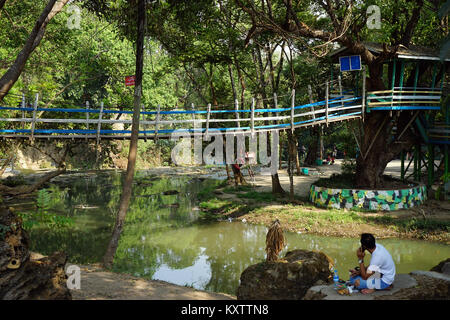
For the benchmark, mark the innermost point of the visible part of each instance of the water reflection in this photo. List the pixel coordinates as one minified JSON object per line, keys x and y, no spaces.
{"x":163,"y":239}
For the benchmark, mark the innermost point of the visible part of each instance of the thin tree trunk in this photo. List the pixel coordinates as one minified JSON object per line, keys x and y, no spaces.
{"x":10,"y":77}
{"x":291,"y":159}
{"x":241,"y":81}
{"x":233,"y":86}
{"x":276,"y":186}
{"x":128,"y":183}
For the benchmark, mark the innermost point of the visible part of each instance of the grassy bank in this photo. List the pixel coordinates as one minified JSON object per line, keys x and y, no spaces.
{"x":263,"y":207}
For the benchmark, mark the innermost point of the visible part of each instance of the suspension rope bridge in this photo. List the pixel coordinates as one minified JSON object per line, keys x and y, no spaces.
{"x":335,"y":108}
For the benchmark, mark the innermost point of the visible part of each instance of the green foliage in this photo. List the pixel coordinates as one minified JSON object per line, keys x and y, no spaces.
{"x":42,"y":216}
{"x":424,"y":225}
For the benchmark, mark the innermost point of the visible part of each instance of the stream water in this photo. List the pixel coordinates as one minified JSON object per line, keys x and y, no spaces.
{"x":164,"y":239}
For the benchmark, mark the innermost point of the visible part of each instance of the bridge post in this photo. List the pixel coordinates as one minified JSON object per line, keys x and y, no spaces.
{"x":236,"y":108}
{"x":99,"y":125}
{"x":252,"y":118}
{"x":341,"y":92}
{"x":87,"y":118}
{"x":208,"y":115}
{"x":158,"y":110}
{"x":33,"y":123}
{"x":292,"y":110}
{"x":311,"y":102}
{"x":145,"y":126}
{"x":23,"y":111}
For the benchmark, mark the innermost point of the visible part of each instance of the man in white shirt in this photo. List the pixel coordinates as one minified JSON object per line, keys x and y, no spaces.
{"x":380,"y":273}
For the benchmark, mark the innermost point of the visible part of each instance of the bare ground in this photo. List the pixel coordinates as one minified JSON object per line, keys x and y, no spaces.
{"x":100,"y":284}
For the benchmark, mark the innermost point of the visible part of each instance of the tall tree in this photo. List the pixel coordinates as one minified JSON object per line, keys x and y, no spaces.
{"x":128,"y":183}
{"x":10,"y":77}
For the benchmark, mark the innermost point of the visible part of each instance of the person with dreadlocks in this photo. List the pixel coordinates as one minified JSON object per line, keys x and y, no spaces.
{"x":380,"y":273}
{"x":274,"y":241}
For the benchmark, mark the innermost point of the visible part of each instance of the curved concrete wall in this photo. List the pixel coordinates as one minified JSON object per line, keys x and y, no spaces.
{"x":368,"y":199}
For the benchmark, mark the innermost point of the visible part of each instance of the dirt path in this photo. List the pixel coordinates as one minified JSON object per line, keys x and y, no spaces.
{"x":98,"y":284}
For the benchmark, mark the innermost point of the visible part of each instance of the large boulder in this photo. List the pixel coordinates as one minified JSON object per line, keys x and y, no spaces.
{"x":442,"y":267}
{"x":286,"y":279}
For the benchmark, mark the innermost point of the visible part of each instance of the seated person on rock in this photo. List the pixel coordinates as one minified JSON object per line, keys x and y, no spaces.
{"x":380,"y":273}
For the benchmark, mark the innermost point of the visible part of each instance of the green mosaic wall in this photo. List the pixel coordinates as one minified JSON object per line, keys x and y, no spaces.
{"x":367,"y":199}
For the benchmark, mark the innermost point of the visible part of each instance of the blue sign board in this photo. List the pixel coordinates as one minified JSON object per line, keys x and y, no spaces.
{"x":350,"y":63}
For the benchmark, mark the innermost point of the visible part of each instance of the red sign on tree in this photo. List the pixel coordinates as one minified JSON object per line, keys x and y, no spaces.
{"x":130,"y":81}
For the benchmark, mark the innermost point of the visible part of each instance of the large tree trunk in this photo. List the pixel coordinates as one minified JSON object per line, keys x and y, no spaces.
{"x":13,"y":73}
{"x":23,"y":277}
{"x":377,"y":147}
{"x":128,"y":183}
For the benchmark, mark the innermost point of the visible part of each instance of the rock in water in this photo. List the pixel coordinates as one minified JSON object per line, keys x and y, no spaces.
{"x":286,"y":279}
{"x":23,"y":278}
